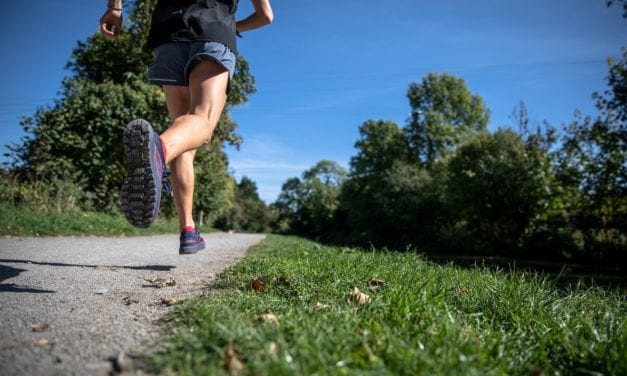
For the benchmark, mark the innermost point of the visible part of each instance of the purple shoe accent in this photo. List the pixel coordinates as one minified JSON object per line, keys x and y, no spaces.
{"x":141,"y":190}
{"x":191,"y":242}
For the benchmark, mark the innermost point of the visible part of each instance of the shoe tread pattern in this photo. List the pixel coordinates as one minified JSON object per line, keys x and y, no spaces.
{"x":138,"y":189}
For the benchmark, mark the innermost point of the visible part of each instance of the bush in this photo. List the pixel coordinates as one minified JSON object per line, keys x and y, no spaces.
{"x":51,"y":196}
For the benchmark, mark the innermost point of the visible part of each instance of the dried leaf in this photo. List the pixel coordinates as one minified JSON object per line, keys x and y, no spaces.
{"x":42,"y":342}
{"x":39,"y":328}
{"x":128,"y":300}
{"x":269,"y":317}
{"x":231,"y":361}
{"x":319,"y":306}
{"x":358,"y":297}
{"x":169,"y":301}
{"x":273,"y":348}
{"x":375,"y":284}
{"x":257,"y":285}
{"x":161,"y":282}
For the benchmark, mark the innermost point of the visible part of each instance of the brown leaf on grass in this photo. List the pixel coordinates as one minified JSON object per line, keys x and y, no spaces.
{"x":375,"y":284}
{"x":39,"y":328}
{"x":273,"y":348}
{"x":269,"y":317}
{"x":231,"y":361}
{"x":257,"y":285}
{"x":319,"y":306}
{"x":358,"y":297}
{"x":283,"y":281}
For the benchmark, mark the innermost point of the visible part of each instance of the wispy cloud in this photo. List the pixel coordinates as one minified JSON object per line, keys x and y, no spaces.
{"x":269,"y":163}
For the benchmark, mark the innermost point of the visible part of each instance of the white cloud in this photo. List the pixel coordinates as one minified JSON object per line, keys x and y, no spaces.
{"x":267,"y":162}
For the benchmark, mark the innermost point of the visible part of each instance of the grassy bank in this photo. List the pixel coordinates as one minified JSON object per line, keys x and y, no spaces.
{"x":24,"y":222}
{"x":418,"y":318}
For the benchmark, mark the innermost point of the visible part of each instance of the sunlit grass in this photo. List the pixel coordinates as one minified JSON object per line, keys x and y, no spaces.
{"x":425,"y":319}
{"x":25,"y":222}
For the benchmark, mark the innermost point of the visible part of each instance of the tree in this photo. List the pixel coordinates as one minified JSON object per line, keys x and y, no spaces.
{"x":444,"y":114}
{"x":498,"y":188}
{"x":79,"y":136}
{"x":592,"y":167}
{"x":309,"y":205}
{"x":380,"y":145}
{"x":248,"y":212}
{"x":611,"y":2}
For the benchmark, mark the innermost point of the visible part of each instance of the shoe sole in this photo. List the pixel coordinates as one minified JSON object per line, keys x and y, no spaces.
{"x":191,"y":249}
{"x":139,"y":193}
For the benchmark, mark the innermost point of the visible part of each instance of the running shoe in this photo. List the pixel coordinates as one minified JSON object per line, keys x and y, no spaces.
{"x":191,"y":242}
{"x":141,"y":190}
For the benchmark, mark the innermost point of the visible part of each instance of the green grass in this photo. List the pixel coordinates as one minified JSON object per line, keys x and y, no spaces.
{"x":427,"y":319}
{"x":23,"y":222}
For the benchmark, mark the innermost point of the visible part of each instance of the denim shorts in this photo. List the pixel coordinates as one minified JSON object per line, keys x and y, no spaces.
{"x":174,"y":61}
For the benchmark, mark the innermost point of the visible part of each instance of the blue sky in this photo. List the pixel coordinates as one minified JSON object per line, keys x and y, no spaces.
{"x":325,"y":67}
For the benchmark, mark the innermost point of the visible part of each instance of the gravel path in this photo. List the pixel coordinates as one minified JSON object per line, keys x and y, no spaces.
{"x":69,"y":304}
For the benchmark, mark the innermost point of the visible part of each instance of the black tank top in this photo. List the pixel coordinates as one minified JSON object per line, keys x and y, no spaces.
{"x":193,"y":20}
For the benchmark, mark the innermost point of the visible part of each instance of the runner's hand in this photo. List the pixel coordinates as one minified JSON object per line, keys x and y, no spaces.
{"x":111,"y":23}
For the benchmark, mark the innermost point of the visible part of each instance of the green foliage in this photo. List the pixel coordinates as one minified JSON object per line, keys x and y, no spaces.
{"x":381,"y":145}
{"x":444,"y":114}
{"x":213,"y":193}
{"x":79,"y":137}
{"x":444,"y":184}
{"x":611,"y":2}
{"x":30,"y":220}
{"x":309,"y":205}
{"x":424,"y":319}
{"x":53,"y":197}
{"x":498,"y":189}
{"x":247,"y":213}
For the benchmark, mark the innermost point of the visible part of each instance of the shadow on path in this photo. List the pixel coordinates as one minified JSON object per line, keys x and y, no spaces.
{"x":7,"y":272}
{"x":156,"y":268}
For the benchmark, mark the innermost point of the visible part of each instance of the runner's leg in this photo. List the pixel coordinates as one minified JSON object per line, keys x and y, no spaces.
{"x":177,"y":98}
{"x":207,"y":93}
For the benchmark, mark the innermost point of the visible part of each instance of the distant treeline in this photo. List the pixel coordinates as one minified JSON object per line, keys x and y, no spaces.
{"x":444,"y":184}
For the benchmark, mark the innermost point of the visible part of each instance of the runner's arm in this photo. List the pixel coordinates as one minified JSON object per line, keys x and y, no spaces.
{"x":263,"y":16}
{"x":111,"y":20}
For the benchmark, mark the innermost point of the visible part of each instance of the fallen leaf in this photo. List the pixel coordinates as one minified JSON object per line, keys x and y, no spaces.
{"x":231,"y":361}
{"x":273,"y":348}
{"x":269,"y":317}
{"x":169,"y":302}
{"x":128,"y":300}
{"x":42,"y":342}
{"x":319,"y":306}
{"x":39,"y":328}
{"x":122,"y":363}
{"x":257,"y":285}
{"x":375,"y":284}
{"x":283,"y":281}
{"x":358,"y":297}
{"x":161,"y":282}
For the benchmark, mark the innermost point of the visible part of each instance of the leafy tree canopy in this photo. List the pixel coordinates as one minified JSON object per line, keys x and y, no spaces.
{"x":444,"y":115}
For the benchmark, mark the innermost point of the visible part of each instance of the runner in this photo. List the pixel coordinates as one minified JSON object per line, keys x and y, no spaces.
{"x":194,"y":44}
